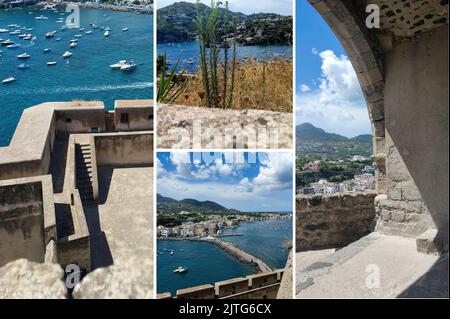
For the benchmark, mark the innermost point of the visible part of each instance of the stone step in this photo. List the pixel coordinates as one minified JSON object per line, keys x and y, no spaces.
{"x":433,"y":241}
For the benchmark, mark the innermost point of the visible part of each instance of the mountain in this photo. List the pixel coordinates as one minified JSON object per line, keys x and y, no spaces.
{"x":170,"y":205}
{"x":175,"y":23}
{"x":314,"y":141}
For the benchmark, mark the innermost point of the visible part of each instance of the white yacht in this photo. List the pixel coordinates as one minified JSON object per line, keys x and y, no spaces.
{"x":9,"y":79}
{"x":88,"y":32}
{"x":23,"y":66}
{"x":118,"y":65}
{"x":78,"y":35}
{"x":13,"y":46}
{"x":106,"y":34}
{"x":50,"y":34}
{"x":7,"y":42}
{"x":67,"y":54}
{"x":181,"y":269}
{"x":3,"y":30}
{"x":51,"y":63}
{"x":73,"y":44}
{"x":41,"y":17}
{"x":47,"y":50}
{"x":125,"y":29}
{"x":23,"y":56}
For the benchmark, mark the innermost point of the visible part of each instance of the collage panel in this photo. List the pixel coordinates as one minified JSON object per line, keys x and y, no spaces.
{"x":76,"y":150}
{"x":225,"y":74}
{"x":371,"y":179}
{"x":224,"y":225}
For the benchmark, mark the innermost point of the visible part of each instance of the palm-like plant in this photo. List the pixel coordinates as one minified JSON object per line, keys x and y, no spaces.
{"x":170,"y":86}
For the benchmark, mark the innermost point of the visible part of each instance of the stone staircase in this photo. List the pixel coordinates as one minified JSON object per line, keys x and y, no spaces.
{"x":83,"y":160}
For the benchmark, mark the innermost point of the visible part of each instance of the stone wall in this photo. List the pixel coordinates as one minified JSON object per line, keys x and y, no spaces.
{"x":124,"y":149}
{"x":327,"y":221}
{"x":21,"y":221}
{"x":258,"y":286}
{"x":186,"y":127}
{"x":416,"y":107}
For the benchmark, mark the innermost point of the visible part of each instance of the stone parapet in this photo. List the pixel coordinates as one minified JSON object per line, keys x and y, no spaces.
{"x":335,"y":220}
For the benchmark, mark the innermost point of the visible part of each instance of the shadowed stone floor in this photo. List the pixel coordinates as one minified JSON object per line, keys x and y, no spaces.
{"x":121,"y":225}
{"x":403,"y":272}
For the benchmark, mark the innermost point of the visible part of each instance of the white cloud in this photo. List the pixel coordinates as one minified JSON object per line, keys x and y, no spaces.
{"x":304,"y":88}
{"x":337,"y":105}
{"x":248,"y":7}
{"x":182,"y":162}
{"x":276,"y":174}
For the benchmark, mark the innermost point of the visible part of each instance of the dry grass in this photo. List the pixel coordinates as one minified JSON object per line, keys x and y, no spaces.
{"x":258,"y":85}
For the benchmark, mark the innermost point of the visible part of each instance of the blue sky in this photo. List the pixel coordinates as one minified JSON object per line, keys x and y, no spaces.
{"x":328,"y":93}
{"x":246,"y":6}
{"x":248,"y":182}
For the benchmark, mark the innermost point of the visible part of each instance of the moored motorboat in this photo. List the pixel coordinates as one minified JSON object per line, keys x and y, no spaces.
{"x":106,"y":34}
{"x":7,"y":42}
{"x":181,"y":269}
{"x":13,"y":46}
{"x":67,"y":54}
{"x":23,"y":66}
{"x":47,"y":50}
{"x":73,"y":44}
{"x":51,"y":63}
{"x":88,"y":32}
{"x":23,"y":56}
{"x":9,"y":79}
{"x":118,"y":65}
{"x":125,"y":29}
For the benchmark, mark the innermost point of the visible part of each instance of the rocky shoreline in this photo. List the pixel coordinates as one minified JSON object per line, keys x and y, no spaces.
{"x":128,"y":8}
{"x":231,"y":249}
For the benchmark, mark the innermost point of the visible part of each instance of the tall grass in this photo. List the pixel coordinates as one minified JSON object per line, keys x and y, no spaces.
{"x":258,"y":85}
{"x":218,"y":89}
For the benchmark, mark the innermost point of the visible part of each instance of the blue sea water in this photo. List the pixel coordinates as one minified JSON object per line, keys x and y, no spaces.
{"x":208,"y":264}
{"x":184,"y":51}
{"x":86,"y":75}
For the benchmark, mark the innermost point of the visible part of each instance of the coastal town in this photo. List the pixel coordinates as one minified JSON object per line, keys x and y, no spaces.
{"x":332,"y":176}
{"x":187,"y":225}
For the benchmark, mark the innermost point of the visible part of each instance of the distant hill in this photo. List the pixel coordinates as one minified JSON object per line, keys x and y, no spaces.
{"x":175,"y":23}
{"x":169,"y":205}
{"x":314,"y":141}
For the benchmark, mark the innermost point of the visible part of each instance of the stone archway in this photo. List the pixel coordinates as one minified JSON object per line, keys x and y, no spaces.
{"x":405,"y":110}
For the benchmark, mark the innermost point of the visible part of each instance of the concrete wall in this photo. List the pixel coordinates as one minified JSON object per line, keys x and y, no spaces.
{"x":138,"y":112}
{"x":29,"y":152}
{"x":21,"y":221}
{"x":80,"y":120}
{"x":416,"y":110}
{"x":75,"y":248}
{"x":327,"y":221}
{"x":258,"y":286}
{"x":124,"y":149}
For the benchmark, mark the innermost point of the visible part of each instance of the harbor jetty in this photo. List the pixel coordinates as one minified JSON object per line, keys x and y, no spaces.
{"x":239,"y":254}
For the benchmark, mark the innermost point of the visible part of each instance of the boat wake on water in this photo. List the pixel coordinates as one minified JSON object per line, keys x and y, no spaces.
{"x":62,"y":89}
